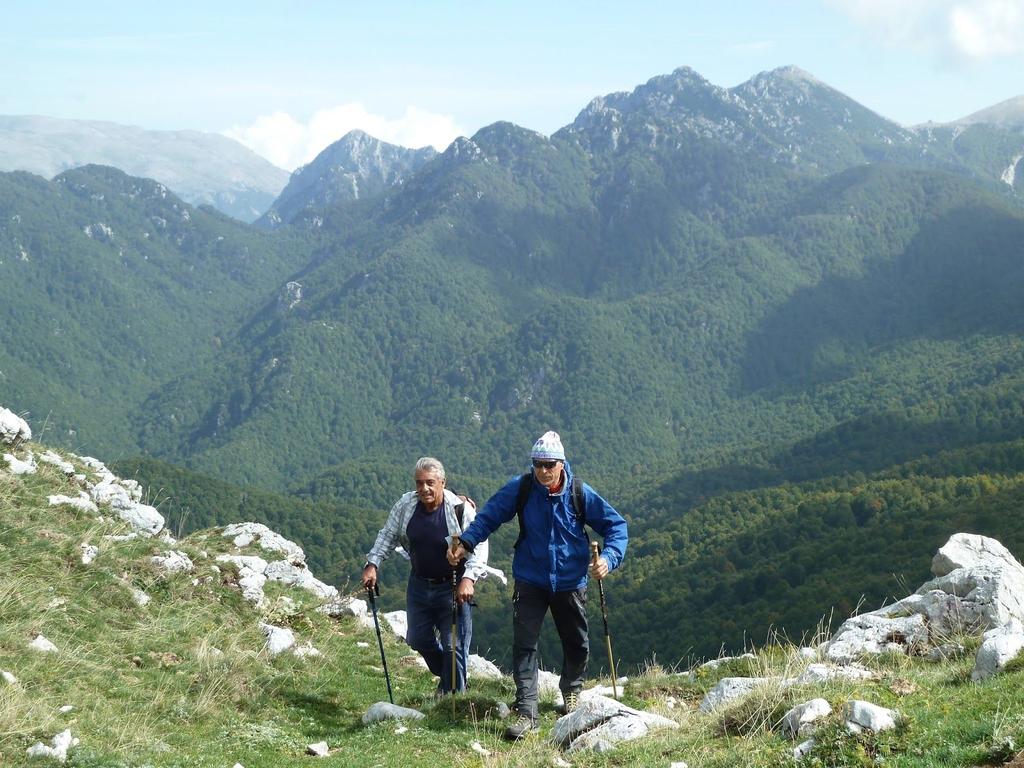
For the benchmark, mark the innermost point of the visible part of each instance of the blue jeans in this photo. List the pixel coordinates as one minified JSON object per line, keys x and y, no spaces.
{"x":429,"y":614}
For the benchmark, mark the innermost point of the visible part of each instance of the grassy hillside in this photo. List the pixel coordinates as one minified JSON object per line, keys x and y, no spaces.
{"x":187,"y":680}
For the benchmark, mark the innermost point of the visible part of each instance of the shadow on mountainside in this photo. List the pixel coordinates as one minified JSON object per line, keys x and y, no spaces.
{"x":961,"y":276}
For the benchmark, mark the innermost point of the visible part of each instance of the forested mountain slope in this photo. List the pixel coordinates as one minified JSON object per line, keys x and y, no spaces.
{"x":111,"y":285}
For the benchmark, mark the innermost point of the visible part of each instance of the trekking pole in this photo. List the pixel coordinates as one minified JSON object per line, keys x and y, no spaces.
{"x":604,"y":615}
{"x":380,"y":640}
{"x":455,"y":619}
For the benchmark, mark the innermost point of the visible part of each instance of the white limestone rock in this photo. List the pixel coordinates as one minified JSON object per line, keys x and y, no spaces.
{"x":731,"y":689}
{"x":296,"y":573}
{"x":21,"y":467}
{"x":482,"y":669}
{"x":800,"y":720}
{"x":173,"y":562}
{"x":14,"y":430}
{"x":124,"y":498}
{"x":306,"y":651}
{"x":141,"y":598}
{"x":384,"y":710}
{"x":42,"y":645}
{"x":344,"y":606}
{"x":398,"y":622}
{"x":865,"y":715}
{"x":968,"y":550}
{"x":320,"y":749}
{"x":800,"y":751}
{"x":58,"y":749}
{"x":81,"y":502}
{"x":598,"y":723}
{"x":251,"y":584}
{"x":8,"y":677}
{"x":250,"y":575}
{"x":49,"y":457}
{"x":999,"y":647}
{"x":89,"y":553}
{"x":244,"y":534}
{"x":978,"y":586}
{"x":876,"y":633}
{"x":279,"y":639}
{"x":477,"y":747}
{"x":143,"y":518}
{"x":252,"y":562}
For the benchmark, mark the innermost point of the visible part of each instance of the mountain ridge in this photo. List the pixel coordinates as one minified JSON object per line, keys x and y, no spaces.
{"x":203,"y":168}
{"x":355,"y":166}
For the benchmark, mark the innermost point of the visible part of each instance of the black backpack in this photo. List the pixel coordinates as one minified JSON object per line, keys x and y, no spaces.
{"x":579,"y":506}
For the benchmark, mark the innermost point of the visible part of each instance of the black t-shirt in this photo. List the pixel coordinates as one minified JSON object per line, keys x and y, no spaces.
{"x":427,"y":544}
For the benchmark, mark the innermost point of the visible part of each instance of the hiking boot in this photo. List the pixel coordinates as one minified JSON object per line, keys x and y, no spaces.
{"x":570,"y":700}
{"x":521,"y":727}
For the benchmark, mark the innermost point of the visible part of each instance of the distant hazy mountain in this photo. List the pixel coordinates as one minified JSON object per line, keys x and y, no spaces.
{"x":354,"y":167}
{"x":202,"y":168}
{"x":1005,"y":114}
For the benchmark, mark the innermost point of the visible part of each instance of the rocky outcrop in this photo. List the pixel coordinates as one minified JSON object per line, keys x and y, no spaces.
{"x":14,"y":430}
{"x":801,"y":721}
{"x":599,"y":723}
{"x":382,"y":710}
{"x":999,"y":647}
{"x":978,"y":586}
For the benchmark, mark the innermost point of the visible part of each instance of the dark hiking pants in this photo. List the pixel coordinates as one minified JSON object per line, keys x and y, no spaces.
{"x":569,"y":610}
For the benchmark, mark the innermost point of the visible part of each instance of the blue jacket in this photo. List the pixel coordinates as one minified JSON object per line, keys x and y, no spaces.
{"x":554,"y":552}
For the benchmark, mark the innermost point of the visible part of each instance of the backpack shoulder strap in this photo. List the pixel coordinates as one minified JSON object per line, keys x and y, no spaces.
{"x":522,"y":495}
{"x":459,"y":509}
{"x":579,"y":501}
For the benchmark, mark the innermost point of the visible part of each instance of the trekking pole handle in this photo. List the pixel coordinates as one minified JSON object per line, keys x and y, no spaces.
{"x":594,"y":550}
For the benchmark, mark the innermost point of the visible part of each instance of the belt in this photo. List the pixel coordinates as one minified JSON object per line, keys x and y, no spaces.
{"x":433,"y":582}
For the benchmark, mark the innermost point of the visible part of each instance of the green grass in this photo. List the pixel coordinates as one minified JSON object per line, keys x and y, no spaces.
{"x":186,"y":681}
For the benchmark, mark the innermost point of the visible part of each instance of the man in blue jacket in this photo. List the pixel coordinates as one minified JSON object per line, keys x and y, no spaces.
{"x":550,"y":566}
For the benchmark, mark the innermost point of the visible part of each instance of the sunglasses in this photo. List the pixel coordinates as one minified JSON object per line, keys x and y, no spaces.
{"x":544,"y":464}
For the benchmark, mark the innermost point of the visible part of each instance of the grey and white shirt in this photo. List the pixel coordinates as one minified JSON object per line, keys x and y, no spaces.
{"x":401,"y":513}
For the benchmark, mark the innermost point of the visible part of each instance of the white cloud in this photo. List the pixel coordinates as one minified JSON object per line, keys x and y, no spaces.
{"x":984,"y":30}
{"x":288,"y":143}
{"x":971,"y":30}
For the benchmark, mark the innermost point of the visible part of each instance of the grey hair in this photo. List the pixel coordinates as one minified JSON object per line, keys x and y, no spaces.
{"x":430,"y":464}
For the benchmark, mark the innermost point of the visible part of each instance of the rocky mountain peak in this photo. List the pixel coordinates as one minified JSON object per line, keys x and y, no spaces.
{"x":356,"y":166}
{"x":1005,"y":114}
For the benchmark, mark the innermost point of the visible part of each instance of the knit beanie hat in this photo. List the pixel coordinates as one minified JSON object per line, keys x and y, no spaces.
{"x":548,"y":446}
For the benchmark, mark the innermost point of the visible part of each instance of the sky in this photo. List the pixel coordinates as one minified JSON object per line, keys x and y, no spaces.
{"x":289,"y":78}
